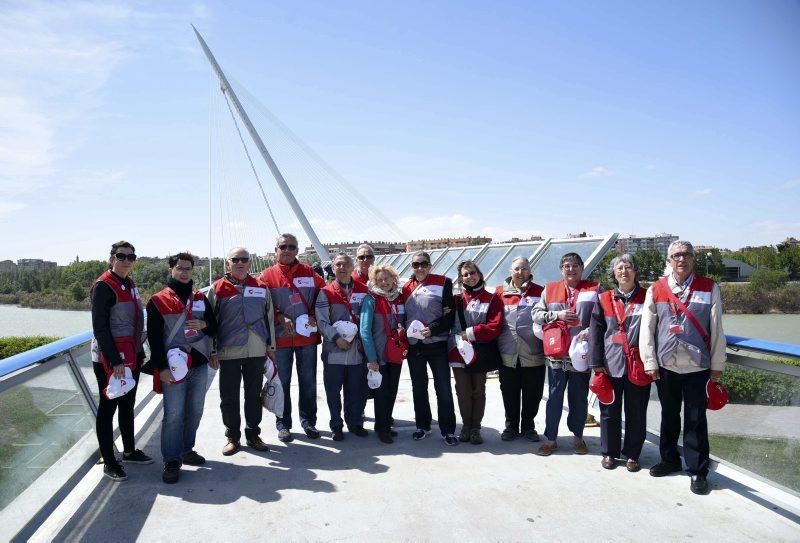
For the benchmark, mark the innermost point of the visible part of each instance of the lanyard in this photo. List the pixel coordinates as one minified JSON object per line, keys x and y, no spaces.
{"x":344,"y":298}
{"x":297,"y":290}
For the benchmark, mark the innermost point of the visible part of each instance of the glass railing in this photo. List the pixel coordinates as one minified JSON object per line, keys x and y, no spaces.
{"x":48,"y":401}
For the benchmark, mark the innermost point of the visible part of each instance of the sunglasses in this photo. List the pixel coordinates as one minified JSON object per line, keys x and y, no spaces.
{"x":125,"y":256}
{"x":287,"y":247}
{"x":418,"y":265}
{"x":237,"y":259}
{"x":366,"y":257}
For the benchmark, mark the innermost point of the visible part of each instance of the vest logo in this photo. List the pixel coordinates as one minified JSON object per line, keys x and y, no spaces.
{"x":254,"y":292}
{"x":587,"y":296}
{"x":303,"y":282}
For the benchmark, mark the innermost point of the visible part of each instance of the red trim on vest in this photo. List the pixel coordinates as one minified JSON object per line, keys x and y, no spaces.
{"x":168,"y":303}
{"x":534,"y":289}
{"x":431,"y":279}
{"x":358,"y":278}
{"x":275,"y":277}
{"x":557,"y":290}
{"x":224,"y":288}
{"x":123,"y":294}
{"x":607,"y":297}
{"x":335,"y":295}
{"x":661,"y":287}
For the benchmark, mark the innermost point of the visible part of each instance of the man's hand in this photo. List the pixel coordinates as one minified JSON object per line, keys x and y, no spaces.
{"x":288,"y":325}
{"x":567,"y":316}
{"x":716,"y":375}
{"x":343,"y":344}
{"x":600,"y":370}
{"x":119,"y":371}
{"x":654,"y":374}
{"x":195,"y":324}
{"x":464,"y":336}
{"x":165,"y":375}
{"x":312,"y":321}
{"x":213,"y":362}
{"x":426,"y":332}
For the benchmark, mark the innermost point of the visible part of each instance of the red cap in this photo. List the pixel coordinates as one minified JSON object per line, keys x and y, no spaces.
{"x":602,"y":386}
{"x":716,"y":394}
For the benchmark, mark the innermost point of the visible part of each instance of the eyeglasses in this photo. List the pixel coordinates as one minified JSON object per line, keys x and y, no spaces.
{"x":366,"y":257}
{"x":131,"y":257}
{"x":182,"y":269}
{"x":287,"y":247}
{"x":418,"y":265}
{"x":571,"y":267}
{"x":679,"y":256}
{"x":237,"y":259}
{"x":469,"y":273}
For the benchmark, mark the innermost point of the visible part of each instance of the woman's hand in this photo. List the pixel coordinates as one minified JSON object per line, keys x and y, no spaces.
{"x":654,"y":374}
{"x":195,"y":324}
{"x":342,"y":343}
{"x":600,"y":370}
{"x":567,"y":316}
{"x":374,"y":366}
{"x":214,"y":362}
{"x":119,"y":371}
{"x":165,"y":375}
{"x":464,"y":336}
{"x":426,"y":332}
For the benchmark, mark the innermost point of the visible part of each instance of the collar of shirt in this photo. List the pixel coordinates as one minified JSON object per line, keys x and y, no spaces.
{"x":618,"y":294}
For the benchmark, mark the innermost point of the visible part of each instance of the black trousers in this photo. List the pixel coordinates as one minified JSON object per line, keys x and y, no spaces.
{"x":526,"y":384}
{"x":689,"y":390}
{"x":386,"y":395}
{"x":105,"y":416}
{"x":635,"y":399}
{"x":421,"y":355}
{"x":231,"y":374}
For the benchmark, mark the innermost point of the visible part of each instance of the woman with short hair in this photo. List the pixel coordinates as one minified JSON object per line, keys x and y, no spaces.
{"x":478,"y":320}
{"x":614,"y":334}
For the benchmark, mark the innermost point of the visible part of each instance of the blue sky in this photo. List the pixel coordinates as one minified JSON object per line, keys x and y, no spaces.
{"x":454,"y":118}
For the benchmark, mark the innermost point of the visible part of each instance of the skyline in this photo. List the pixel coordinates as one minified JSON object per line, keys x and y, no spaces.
{"x":527,"y":118}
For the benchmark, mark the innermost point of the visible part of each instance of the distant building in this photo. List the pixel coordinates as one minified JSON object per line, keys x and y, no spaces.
{"x":633,"y":244}
{"x":7,"y":266}
{"x":736,"y":270}
{"x":444,"y":243}
{"x":520,"y":240}
{"x":790,"y":242}
{"x":349,"y":247}
{"x":35,"y":264}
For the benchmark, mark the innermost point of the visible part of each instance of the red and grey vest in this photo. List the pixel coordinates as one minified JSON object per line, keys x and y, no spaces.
{"x":395,"y":313}
{"x":341,"y":309}
{"x":240,"y":310}
{"x":582,"y":302}
{"x":171,"y":307}
{"x":675,"y":328}
{"x":632,"y":312}
{"x":358,"y":278}
{"x":518,"y":324}
{"x":476,"y":308}
{"x":126,"y":319}
{"x":424,"y":303}
{"x":293,"y":295}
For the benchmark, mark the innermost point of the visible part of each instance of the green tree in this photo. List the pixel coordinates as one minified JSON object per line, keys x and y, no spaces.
{"x":78,"y":291}
{"x":765,"y":280}
{"x":790,"y":260}
{"x":759,"y":257}
{"x":710,"y":265}
{"x":600,"y":272}
{"x":650,"y":263}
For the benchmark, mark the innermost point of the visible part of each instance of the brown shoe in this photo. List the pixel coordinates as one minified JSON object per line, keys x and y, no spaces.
{"x":632,"y":465}
{"x":608,"y":462}
{"x":257,"y":444}
{"x":580,"y":446}
{"x":547,"y":448}
{"x":231,"y":447}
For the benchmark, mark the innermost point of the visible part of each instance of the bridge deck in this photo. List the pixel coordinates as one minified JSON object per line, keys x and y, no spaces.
{"x":361,"y":489}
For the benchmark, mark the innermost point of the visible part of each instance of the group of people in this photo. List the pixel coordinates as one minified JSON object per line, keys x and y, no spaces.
{"x":368,"y":323}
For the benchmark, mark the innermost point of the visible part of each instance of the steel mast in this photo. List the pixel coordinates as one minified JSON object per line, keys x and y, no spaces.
{"x":276,"y":173}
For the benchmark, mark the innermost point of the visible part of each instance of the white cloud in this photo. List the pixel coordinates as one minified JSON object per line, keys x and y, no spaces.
{"x":791,"y":184}
{"x":650,"y":167}
{"x":703,"y":192}
{"x":598,"y":171}
{"x":10,"y":207}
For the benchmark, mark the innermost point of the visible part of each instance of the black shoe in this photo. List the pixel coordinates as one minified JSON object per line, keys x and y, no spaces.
{"x":419,"y":434}
{"x":385,"y":437}
{"x":531,"y":435}
{"x":172,"y":472}
{"x":136,"y":457}
{"x":191,"y":458}
{"x":360,"y":431}
{"x":451,"y":440}
{"x":338,"y":435}
{"x":699,"y":485}
{"x":664,"y":468}
{"x":393,"y":433}
{"x":311,"y":432}
{"x":508,"y":435}
{"x":115,"y":472}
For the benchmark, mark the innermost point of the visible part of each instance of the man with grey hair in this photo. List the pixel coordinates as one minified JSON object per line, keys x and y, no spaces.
{"x":245,"y":334}
{"x":365,"y":258}
{"x":683,"y":347}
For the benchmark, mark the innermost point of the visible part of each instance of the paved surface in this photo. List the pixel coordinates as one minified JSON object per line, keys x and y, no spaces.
{"x":363,"y":490}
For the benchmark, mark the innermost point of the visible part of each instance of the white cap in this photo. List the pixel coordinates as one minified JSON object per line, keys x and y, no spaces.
{"x":466,"y":350}
{"x":302,"y":327}
{"x":374,"y":379}
{"x":178,"y":362}
{"x":119,"y":387}
{"x":415,"y":329}
{"x":579,"y":353}
{"x":348,"y":330}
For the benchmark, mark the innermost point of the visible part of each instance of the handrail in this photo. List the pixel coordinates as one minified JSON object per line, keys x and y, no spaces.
{"x":40,"y":354}
{"x":763,"y":346}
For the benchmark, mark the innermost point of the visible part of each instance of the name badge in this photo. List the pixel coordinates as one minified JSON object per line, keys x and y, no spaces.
{"x":187,"y":332}
{"x":198,"y":306}
{"x":473,"y":305}
{"x":255,"y":292}
{"x":295,"y":299}
{"x":134,"y":291}
{"x":676,"y":329}
{"x":620,"y":338}
{"x":301,"y":282}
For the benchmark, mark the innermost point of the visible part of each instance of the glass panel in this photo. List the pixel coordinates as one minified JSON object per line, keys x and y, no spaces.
{"x":469,"y":254}
{"x":43,"y":419}
{"x":407,"y":268}
{"x":449,"y":257}
{"x":490,"y":258}
{"x":82,"y":356}
{"x":401,"y":263}
{"x":503,"y":268}
{"x":547,"y":268}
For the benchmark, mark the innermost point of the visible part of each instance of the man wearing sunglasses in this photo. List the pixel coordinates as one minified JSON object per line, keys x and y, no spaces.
{"x":245,"y":335}
{"x":365,"y":258}
{"x":294,"y":287}
{"x":683,"y":347}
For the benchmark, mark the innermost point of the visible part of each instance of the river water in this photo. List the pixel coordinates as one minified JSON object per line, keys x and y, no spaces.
{"x":20,"y":321}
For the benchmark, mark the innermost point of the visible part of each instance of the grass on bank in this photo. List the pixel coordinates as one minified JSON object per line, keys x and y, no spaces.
{"x":11,"y":345}
{"x":776,"y":459}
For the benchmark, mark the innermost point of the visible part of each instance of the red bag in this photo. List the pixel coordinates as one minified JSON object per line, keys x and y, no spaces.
{"x":556,"y":339}
{"x":396,"y":343}
{"x":635,"y":367}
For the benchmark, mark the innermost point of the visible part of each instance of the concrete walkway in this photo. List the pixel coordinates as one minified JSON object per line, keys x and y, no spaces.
{"x":363,"y":490}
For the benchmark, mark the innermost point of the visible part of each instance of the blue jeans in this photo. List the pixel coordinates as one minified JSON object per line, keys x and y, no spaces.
{"x":354,"y":380}
{"x":577,"y":386}
{"x":183,"y":408}
{"x":307,"y":376}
